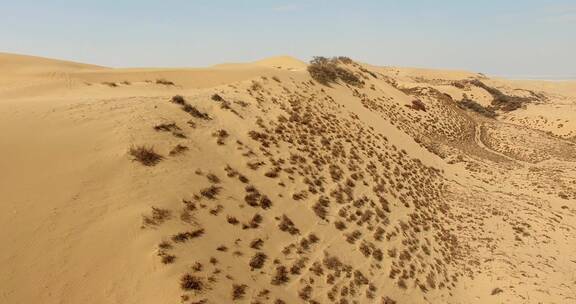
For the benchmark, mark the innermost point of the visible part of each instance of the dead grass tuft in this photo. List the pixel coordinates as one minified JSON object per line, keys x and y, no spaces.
{"x":145,"y":155}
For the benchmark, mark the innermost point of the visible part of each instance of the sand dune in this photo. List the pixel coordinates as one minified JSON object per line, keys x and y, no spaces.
{"x":256,"y":183}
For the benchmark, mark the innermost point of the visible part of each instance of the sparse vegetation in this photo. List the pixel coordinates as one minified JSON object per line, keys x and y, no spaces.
{"x":238,"y":291}
{"x":178,"y":99}
{"x":258,"y":260}
{"x":158,"y":217}
{"x":472,"y":105}
{"x":165,"y":82}
{"x":189,"y":282}
{"x":188,"y":108}
{"x":210,"y":192}
{"x":145,"y":155}
{"x":327,"y":71}
{"x":184,"y":236}
{"x":178,"y":149}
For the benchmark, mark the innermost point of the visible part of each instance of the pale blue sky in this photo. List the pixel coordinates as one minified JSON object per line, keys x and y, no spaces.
{"x":513,"y":37}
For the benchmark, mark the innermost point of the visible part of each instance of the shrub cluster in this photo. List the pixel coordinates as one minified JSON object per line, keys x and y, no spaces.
{"x":328,"y":70}
{"x":472,"y":105}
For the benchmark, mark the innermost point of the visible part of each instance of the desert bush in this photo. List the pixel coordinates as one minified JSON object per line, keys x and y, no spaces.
{"x":158,"y":216}
{"x":178,"y":149}
{"x":417,"y":105}
{"x":258,"y":260}
{"x":217,"y":97}
{"x":188,"y":108}
{"x":164,"y":82}
{"x":320,"y":208}
{"x":305,"y":293}
{"x":145,"y":155}
{"x":178,"y":99}
{"x":184,"y":236}
{"x":238,"y":291}
{"x":167,"y":127}
{"x":221,"y":134}
{"x":164,"y":245}
{"x":287,"y":225}
{"x":281,"y":276}
{"x":168,"y":259}
{"x":256,"y":243}
{"x":256,"y":86}
{"x":327,"y":71}
{"x":213,"y":178}
{"x":210,"y":192}
{"x":192,"y":110}
{"x":256,"y":221}
{"x":468,"y":104}
{"x":189,"y":282}
{"x":232,"y":220}
{"x":502,"y":101}
{"x":340,"y":225}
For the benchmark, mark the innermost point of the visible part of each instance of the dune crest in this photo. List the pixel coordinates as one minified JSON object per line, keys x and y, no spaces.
{"x":276,"y":62}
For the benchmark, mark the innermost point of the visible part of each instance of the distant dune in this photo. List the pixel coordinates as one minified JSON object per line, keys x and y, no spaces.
{"x":278,"y":181}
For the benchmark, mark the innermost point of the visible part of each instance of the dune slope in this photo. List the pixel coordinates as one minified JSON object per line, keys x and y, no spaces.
{"x":255,"y":183}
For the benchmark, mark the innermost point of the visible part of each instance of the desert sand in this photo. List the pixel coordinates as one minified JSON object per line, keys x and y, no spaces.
{"x":257,"y":183}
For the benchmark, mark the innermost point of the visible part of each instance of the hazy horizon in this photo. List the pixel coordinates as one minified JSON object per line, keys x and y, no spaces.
{"x":516,"y":39}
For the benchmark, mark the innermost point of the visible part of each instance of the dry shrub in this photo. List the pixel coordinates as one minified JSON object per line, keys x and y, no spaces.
{"x":238,"y":291}
{"x":327,"y":71}
{"x":184,"y":236}
{"x":190,"y":109}
{"x":221,"y":135}
{"x":320,"y":208}
{"x":256,"y":221}
{"x":178,"y":99}
{"x":287,"y":225}
{"x":213,"y":178}
{"x":258,"y":260}
{"x":158,"y":216}
{"x":232,"y":220}
{"x":168,"y":258}
{"x":164,"y":82}
{"x":417,"y":105}
{"x":305,"y":293}
{"x":145,"y":155}
{"x":340,"y":225}
{"x":189,"y":282}
{"x":178,"y":149}
{"x":281,"y":276}
{"x":256,"y":243}
{"x":210,"y":192}
{"x":167,"y":127}
{"x":468,"y":104}
{"x":217,"y":97}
